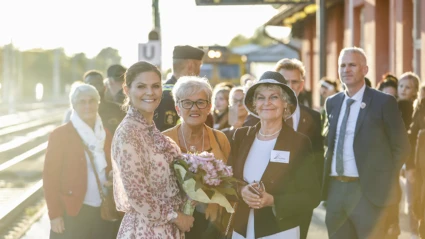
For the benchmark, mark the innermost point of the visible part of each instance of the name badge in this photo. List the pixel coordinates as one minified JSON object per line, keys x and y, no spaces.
{"x":278,"y":156}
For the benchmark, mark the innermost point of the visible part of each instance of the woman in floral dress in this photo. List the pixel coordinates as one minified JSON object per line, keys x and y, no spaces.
{"x":145,"y":186}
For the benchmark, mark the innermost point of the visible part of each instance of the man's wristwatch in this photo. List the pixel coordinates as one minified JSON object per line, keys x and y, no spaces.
{"x":172,"y":216}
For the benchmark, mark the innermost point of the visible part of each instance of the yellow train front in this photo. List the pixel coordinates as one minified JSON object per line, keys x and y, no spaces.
{"x":221,"y":65}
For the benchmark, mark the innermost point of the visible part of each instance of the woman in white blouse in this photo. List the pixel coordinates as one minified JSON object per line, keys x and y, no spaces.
{"x":281,"y":159}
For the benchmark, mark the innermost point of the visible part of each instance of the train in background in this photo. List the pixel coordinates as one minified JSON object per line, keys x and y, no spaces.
{"x":220,"y":64}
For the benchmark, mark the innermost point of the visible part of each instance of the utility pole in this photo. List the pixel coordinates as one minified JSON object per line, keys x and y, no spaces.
{"x":56,"y":73}
{"x":321,"y":32}
{"x":151,"y":51}
{"x":155,"y":35}
{"x":155,"y":17}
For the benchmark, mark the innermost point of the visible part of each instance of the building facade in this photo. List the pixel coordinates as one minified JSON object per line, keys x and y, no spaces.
{"x":392,"y":33}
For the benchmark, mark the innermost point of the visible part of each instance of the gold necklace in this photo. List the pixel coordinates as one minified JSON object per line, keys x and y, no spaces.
{"x":184,"y":140}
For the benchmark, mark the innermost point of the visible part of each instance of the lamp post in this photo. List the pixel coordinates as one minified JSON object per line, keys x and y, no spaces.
{"x":321,"y":35}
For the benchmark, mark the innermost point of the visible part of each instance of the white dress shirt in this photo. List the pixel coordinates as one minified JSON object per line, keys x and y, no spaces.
{"x":350,"y":166}
{"x":296,"y":118}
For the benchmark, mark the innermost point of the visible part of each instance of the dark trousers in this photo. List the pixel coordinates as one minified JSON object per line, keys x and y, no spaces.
{"x":86,"y":225}
{"x":350,"y":215}
{"x":304,"y":225}
{"x":202,"y":228}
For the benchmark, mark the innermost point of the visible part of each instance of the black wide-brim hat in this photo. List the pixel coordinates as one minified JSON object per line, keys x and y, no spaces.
{"x":273,"y":78}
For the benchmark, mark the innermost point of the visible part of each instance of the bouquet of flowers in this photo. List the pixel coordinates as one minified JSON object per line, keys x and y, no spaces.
{"x":205,"y":179}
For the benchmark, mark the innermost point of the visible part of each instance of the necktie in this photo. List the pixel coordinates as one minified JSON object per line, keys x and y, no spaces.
{"x":341,"y":138}
{"x":290,"y":122}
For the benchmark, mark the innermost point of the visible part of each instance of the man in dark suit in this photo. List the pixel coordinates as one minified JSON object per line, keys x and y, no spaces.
{"x":367,"y":145}
{"x":304,"y":120}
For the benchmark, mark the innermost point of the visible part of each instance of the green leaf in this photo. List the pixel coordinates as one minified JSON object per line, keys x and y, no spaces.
{"x":227,"y":191}
{"x":209,"y":192}
{"x":198,"y":185}
{"x":188,"y":175}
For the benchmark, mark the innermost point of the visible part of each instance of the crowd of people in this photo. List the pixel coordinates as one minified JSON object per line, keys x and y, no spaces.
{"x":122,"y":133}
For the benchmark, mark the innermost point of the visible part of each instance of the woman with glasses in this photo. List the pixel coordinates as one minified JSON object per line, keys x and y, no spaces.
{"x":193,"y":103}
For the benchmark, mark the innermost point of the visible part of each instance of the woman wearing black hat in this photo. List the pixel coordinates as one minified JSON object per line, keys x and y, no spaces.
{"x":276,"y":163}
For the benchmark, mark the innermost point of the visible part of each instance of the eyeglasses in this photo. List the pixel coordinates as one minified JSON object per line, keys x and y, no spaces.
{"x":188,"y":104}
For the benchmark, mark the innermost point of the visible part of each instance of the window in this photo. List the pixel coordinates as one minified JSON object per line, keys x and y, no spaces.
{"x":206,"y":71}
{"x":229,"y":71}
{"x":417,"y":36}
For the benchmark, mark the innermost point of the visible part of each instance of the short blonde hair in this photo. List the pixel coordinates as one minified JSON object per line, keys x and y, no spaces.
{"x":82,"y":89}
{"x":290,"y":64}
{"x":190,"y":85}
{"x":355,"y":50}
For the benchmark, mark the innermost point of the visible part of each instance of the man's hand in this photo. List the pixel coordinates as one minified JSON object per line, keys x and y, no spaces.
{"x":57,"y":225}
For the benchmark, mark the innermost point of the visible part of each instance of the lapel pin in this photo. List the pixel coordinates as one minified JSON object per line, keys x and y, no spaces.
{"x":363,"y":105}
{"x":303,"y":120}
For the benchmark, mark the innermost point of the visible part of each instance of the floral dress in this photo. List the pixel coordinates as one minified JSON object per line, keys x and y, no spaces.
{"x":145,"y":186}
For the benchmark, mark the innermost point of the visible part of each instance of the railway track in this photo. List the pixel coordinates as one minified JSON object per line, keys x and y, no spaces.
{"x":23,"y":142}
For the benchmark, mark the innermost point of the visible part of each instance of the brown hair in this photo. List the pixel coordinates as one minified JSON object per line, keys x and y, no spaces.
{"x":290,"y":64}
{"x":132,"y":73}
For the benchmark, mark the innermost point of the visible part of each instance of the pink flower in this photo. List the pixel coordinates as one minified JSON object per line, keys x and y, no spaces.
{"x":228,"y":172}
{"x":220,"y":165}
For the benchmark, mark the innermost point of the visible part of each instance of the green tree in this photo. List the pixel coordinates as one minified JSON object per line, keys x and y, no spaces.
{"x":258,"y":38}
{"x":106,"y":57}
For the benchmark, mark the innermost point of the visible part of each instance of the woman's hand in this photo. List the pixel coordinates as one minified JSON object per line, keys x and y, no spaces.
{"x":184,"y":222}
{"x":57,"y":225}
{"x":212,"y":211}
{"x":267,"y":200}
{"x":249,"y":197}
{"x":255,"y":201}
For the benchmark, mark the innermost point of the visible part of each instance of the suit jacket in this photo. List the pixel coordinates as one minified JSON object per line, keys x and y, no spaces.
{"x":381,"y":145}
{"x":65,"y":171}
{"x":419,"y":204}
{"x":418,"y":123}
{"x":310,"y":124}
{"x":294,"y":185}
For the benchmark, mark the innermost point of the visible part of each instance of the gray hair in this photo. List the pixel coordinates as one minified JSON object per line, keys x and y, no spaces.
{"x":190,"y":85}
{"x":284,"y":96}
{"x":82,"y":89}
{"x":355,"y":50}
